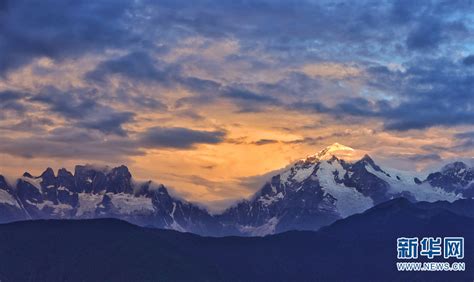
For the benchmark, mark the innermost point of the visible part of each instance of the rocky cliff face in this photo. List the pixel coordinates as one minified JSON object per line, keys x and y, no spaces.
{"x":94,"y":193}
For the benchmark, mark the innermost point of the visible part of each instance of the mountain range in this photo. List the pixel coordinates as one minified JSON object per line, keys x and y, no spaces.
{"x":361,"y":247}
{"x":310,"y":193}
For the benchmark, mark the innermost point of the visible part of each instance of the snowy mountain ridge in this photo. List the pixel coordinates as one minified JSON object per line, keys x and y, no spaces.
{"x":334,"y":184}
{"x":311,"y":193}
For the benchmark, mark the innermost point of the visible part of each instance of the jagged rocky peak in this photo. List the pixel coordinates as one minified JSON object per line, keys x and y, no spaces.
{"x":3,"y":182}
{"x":454,"y":177}
{"x":159,"y":191}
{"x":455,"y":167}
{"x":48,"y":173}
{"x":121,"y":171}
{"x":62,"y":172}
{"x":119,"y":180}
{"x":28,"y":175}
{"x":367,"y":160}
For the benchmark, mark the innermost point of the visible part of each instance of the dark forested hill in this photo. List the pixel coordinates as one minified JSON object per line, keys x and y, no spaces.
{"x":359,"y":248}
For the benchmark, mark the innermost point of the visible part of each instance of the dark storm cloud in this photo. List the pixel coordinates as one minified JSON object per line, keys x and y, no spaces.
{"x":178,"y":137}
{"x":136,"y":65}
{"x":426,"y":35}
{"x":83,"y":109}
{"x":109,"y":121}
{"x":67,"y":104}
{"x":466,"y":140}
{"x":142,"y":101}
{"x":265,"y":142}
{"x":29,"y":124}
{"x":363,"y":27}
{"x":433,"y":92}
{"x":469,"y":60}
{"x":61,"y":29}
{"x":247,"y":100}
{"x":207,"y":91}
{"x":428,"y":93}
{"x":69,"y":142}
{"x":417,"y":114}
{"x":425,"y":157}
{"x":11,"y":101}
{"x":246,"y":95}
{"x":81,"y":143}
{"x":429,"y":157}
{"x":465,"y":135}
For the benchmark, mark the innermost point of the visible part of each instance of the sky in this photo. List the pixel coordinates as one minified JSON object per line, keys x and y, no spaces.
{"x":208,"y":97}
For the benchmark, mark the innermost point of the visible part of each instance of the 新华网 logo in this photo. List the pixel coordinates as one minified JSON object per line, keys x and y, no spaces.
{"x":430,"y":247}
{"x":412,"y":248}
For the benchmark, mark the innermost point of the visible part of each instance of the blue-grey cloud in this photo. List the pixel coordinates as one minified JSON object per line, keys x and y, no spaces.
{"x":178,"y":137}
{"x":426,"y":35}
{"x":82,"y":143}
{"x":110,"y":121}
{"x":47,"y":28}
{"x":465,"y":135}
{"x":246,"y":95}
{"x":137,"y":66}
{"x":83,"y":109}
{"x":430,"y":88}
{"x":466,"y":140}
{"x":70,"y":143}
{"x":248,"y":101}
{"x":265,"y":142}
{"x":11,"y":101}
{"x":360,"y":27}
{"x":425,"y":157}
{"x":428,"y":93}
{"x":62,"y":29}
{"x":469,"y":60}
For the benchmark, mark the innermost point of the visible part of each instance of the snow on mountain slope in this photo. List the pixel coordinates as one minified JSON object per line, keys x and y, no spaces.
{"x":129,"y":204}
{"x":348,"y":200}
{"x":34,"y":181}
{"x":420,"y":192}
{"x":7,"y":198}
{"x":312,"y":192}
{"x":88,"y":204}
{"x":262,"y":230}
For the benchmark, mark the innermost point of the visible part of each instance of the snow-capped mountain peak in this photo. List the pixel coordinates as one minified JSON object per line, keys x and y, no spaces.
{"x":336,"y":150}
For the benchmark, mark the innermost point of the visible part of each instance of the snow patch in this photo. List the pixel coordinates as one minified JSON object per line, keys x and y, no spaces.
{"x":57,"y":209}
{"x":36,"y":182}
{"x":299,"y":172}
{"x":262,"y":230}
{"x":268,"y":200}
{"x":303,"y":173}
{"x":175,"y":225}
{"x":7,"y":198}
{"x":88,"y":204}
{"x":129,"y":204}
